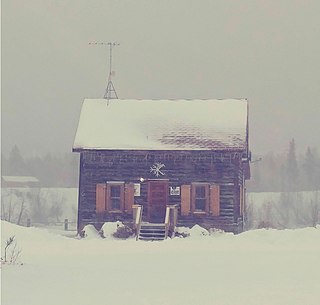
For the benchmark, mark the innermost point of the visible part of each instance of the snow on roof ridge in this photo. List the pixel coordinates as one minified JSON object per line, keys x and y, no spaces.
{"x":162,"y":125}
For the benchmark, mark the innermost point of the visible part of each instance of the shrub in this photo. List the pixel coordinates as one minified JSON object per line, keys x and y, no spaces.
{"x":11,"y":252}
{"x":123,"y":232}
{"x":265,"y":225}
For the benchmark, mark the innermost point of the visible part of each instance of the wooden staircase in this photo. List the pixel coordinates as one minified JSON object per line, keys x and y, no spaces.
{"x":155,"y":231}
{"x":152,"y":231}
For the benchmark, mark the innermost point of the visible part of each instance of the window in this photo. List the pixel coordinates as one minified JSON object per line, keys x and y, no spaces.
{"x":115,"y":197}
{"x":200,"y":197}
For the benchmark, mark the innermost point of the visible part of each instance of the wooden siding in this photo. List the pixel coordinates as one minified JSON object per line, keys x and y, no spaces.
{"x":181,"y":168}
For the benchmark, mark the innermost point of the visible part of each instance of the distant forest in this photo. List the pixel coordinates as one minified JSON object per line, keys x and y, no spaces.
{"x":286,"y":171}
{"x":272,"y":172}
{"x":51,"y":170}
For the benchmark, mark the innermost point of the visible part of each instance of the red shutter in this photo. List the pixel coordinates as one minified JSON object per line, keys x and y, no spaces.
{"x":185,"y":199}
{"x":100,"y":198}
{"x":215,"y":200}
{"x":128,"y":197}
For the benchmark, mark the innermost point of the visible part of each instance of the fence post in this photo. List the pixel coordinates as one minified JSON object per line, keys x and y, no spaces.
{"x":28,"y":222}
{"x":66,"y":224}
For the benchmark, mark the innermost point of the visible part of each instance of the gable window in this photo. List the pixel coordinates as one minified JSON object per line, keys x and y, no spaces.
{"x":200,"y":197}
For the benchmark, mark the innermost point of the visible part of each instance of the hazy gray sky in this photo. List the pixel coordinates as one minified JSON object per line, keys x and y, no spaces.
{"x":266,"y":51}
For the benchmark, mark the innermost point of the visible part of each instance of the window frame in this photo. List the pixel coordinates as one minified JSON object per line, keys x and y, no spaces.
{"x":194,"y":186}
{"x":109,"y":207}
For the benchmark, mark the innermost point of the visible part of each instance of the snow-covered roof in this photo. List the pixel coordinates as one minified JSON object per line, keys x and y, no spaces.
{"x":20,"y":179}
{"x":162,"y":125}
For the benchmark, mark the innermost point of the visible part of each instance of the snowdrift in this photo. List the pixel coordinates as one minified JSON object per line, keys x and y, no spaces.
{"x":256,"y":267}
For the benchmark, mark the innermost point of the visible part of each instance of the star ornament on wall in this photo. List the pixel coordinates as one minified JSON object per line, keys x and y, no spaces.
{"x":156,"y":169}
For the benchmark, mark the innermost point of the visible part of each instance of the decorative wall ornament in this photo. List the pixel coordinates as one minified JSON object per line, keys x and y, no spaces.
{"x":156,"y":169}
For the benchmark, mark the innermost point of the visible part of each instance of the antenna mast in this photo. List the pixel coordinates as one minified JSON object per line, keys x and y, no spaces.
{"x":110,"y":90}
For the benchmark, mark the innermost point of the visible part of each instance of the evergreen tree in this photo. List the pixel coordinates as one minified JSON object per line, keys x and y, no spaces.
{"x":292,"y":171}
{"x":310,"y":168}
{"x":16,"y":163}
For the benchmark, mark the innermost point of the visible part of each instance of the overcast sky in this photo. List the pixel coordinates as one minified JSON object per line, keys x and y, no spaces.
{"x":266,"y":51}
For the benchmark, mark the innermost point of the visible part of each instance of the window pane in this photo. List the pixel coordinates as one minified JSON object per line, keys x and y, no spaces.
{"x":200,"y":192}
{"x":115,"y":191}
{"x":200,"y":204}
{"x":115,"y":204}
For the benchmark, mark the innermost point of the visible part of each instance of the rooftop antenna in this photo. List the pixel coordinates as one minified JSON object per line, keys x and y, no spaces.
{"x":111,"y":92}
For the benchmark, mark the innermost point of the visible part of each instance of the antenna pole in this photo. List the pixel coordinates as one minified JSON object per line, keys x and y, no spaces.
{"x":110,"y":58}
{"x":110,"y":92}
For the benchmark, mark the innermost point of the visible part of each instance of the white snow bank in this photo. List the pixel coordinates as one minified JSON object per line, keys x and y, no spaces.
{"x":257,"y":267}
{"x":109,"y":228}
{"x":197,"y":231}
{"x":89,"y":231}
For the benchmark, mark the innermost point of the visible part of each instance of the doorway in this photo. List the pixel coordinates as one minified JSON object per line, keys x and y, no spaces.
{"x":158,"y":193}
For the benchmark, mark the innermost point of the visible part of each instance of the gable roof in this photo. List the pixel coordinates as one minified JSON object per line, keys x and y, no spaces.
{"x":162,"y":125}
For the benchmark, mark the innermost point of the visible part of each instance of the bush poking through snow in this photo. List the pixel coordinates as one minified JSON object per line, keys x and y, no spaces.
{"x":265,"y":225}
{"x":123,"y":232}
{"x":182,"y":232}
{"x":11,"y":252}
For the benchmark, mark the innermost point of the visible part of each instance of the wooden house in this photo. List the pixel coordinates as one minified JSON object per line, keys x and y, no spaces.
{"x":191,"y":154}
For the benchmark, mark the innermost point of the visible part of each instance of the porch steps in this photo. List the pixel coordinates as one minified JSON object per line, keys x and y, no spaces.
{"x":152,"y":231}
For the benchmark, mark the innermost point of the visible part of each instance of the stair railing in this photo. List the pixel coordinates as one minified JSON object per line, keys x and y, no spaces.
{"x":171,"y":219}
{"x":137,"y":217}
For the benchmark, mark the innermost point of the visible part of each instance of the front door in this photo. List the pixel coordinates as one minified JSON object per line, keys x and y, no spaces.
{"x":157,"y":200}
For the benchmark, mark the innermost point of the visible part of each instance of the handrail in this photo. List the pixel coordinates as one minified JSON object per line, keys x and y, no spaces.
{"x":167,"y":218}
{"x":171,"y":219}
{"x":167,"y":221}
{"x":137,"y":218}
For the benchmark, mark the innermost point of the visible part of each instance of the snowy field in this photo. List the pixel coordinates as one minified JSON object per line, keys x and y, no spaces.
{"x":259,"y":267}
{"x":283,"y":210}
{"x":40,"y":205}
{"x":52,"y":205}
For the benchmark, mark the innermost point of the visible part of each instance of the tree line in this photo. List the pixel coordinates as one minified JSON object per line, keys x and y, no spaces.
{"x":50,"y":170}
{"x":286,"y":172}
{"x":272,"y":172}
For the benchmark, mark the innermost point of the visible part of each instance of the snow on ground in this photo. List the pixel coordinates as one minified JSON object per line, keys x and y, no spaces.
{"x":259,"y":267}
{"x":52,"y":204}
{"x":283,"y":210}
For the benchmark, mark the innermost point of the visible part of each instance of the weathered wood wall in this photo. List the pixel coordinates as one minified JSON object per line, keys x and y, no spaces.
{"x":181,"y":168}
